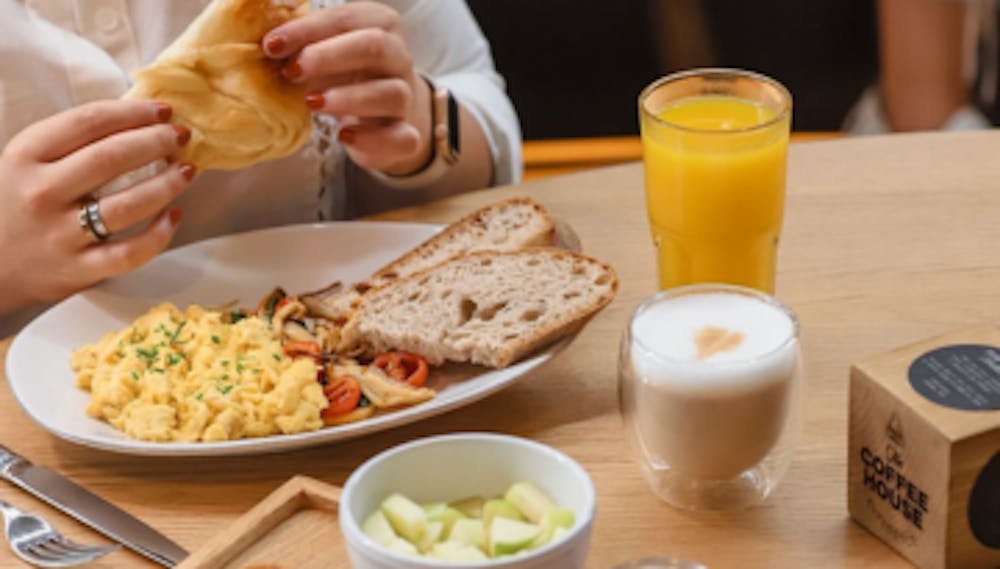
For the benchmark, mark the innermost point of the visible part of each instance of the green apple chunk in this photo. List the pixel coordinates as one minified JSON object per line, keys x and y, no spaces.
{"x":451,"y":551}
{"x":469,"y":532}
{"x":527,"y":498}
{"x":400,"y":545}
{"x":510,"y":536}
{"x":433,"y":534}
{"x":470,"y":507}
{"x":377,"y":527}
{"x":441,"y":512}
{"x":406,"y":517}
{"x":493,"y":509}
{"x":553,"y":520}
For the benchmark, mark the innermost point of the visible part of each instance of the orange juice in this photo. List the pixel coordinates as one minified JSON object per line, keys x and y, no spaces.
{"x":715,"y":188}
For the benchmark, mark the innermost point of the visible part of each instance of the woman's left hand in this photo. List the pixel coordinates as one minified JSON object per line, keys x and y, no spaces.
{"x":358,"y":69}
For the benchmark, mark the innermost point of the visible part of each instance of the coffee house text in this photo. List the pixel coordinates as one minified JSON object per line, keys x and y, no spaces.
{"x":889,"y":484}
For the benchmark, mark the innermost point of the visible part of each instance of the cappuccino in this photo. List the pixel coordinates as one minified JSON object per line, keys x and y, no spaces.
{"x":713,"y":375}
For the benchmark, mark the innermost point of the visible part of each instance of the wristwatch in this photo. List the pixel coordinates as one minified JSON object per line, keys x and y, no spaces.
{"x":445,"y":142}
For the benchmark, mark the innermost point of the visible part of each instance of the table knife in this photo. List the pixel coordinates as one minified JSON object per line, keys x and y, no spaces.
{"x":89,"y":509}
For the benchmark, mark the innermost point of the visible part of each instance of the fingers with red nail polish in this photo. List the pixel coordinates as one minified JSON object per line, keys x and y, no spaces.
{"x":315,"y":101}
{"x":292,"y":71}
{"x":183,"y":134}
{"x":347,"y":135}
{"x":380,"y":146}
{"x":274,"y":45}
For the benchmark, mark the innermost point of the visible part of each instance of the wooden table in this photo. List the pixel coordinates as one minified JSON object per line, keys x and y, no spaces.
{"x":887,"y":240}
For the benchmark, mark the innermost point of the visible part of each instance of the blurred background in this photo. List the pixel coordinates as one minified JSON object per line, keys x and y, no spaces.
{"x":574,"y":69}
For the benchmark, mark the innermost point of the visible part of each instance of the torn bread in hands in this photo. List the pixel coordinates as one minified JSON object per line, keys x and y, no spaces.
{"x":489,"y":308}
{"x":233,"y":98}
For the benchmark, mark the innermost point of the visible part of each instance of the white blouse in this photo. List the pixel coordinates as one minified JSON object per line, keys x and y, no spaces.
{"x":55,"y":54}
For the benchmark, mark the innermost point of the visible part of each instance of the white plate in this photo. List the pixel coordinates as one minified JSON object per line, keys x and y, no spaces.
{"x":241,"y":267}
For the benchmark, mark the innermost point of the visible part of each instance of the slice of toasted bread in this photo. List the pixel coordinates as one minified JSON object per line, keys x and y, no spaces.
{"x":503,"y":226}
{"x":488,"y":308}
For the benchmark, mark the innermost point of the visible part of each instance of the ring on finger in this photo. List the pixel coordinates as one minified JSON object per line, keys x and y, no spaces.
{"x":91,"y":220}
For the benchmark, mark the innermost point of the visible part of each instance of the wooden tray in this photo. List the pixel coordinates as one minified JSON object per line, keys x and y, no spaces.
{"x":296,"y":527}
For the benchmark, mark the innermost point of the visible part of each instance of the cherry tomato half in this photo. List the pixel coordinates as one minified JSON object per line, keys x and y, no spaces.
{"x":295,"y":349}
{"x":344,"y":394}
{"x":403,"y":366}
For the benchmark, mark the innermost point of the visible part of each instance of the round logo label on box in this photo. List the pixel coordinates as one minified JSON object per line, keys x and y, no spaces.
{"x":984,"y":505}
{"x":965,"y":376}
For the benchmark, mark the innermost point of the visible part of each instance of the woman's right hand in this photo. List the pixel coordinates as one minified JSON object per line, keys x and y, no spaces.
{"x":49,"y":169}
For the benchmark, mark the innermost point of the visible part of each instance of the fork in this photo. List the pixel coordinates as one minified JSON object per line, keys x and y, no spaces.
{"x":37,"y":543}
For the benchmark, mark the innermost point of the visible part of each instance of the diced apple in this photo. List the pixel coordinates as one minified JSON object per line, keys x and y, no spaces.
{"x":433,"y":534}
{"x":469,"y":532}
{"x":527,"y":498}
{"x":405,"y":517}
{"x":441,"y":512}
{"x":450,"y":551}
{"x":510,"y":536}
{"x":499,"y":509}
{"x":471,"y":507}
{"x":554,"y":519}
{"x":377,"y":527}
{"x":400,"y":545}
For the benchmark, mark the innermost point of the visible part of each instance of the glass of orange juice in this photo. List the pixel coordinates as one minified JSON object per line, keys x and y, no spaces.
{"x":715,"y":145}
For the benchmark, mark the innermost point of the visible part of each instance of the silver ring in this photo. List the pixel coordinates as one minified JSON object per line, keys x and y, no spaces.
{"x":90,"y":219}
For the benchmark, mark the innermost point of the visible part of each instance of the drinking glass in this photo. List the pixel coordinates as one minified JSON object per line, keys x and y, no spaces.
{"x":711,"y":434}
{"x":714,"y":148}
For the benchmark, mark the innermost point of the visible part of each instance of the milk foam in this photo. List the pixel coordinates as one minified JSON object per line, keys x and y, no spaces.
{"x":665,"y":351}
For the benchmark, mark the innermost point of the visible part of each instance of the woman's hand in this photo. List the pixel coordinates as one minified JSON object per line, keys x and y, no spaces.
{"x":358,"y":68}
{"x":51,"y":167}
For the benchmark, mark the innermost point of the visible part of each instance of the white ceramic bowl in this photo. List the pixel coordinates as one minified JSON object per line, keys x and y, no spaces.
{"x":452,"y":467}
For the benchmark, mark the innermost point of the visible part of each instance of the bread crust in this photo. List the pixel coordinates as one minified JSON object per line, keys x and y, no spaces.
{"x":469,"y":221}
{"x":338,"y":304}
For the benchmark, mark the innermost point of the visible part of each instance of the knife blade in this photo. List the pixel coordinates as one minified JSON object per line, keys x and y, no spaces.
{"x":89,"y":509}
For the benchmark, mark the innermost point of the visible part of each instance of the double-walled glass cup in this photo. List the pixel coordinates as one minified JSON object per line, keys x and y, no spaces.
{"x":713,"y":428}
{"x":714,"y":145}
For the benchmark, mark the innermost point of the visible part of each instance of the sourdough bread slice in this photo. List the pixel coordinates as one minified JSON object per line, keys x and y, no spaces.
{"x":503,"y":226}
{"x":487,"y":308}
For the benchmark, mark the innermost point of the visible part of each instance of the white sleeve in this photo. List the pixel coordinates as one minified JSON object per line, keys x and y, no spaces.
{"x":448,"y":46}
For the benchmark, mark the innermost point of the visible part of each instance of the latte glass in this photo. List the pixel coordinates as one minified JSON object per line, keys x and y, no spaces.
{"x":710,"y":388}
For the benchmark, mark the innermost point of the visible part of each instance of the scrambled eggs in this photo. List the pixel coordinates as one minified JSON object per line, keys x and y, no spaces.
{"x":190,"y":376}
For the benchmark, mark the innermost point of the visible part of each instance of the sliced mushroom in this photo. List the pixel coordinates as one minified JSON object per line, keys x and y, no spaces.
{"x":316,"y":301}
{"x":298,"y":333}
{"x":292,"y":309}
{"x":381,"y":390}
{"x":266,"y":307}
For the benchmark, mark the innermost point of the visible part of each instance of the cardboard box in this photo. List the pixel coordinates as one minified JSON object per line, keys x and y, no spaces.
{"x":924,"y":449}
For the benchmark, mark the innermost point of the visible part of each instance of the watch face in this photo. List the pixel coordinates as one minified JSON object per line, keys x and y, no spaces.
{"x":454,"y":138}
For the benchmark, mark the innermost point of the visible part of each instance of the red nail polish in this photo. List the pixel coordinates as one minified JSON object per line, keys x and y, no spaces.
{"x":188,"y":170}
{"x":347,"y":135}
{"x":274,"y":44}
{"x":163,"y":111}
{"x":183,"y":134}
{"x":175,"y":216}
{"x":315,"y":101}
{"x":292,"y":71}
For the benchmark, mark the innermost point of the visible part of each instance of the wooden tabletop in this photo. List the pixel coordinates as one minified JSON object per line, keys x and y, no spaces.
{"x":887,"y":240}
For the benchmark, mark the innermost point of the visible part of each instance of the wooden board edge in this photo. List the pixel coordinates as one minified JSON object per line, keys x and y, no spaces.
{"x":290,"y":497}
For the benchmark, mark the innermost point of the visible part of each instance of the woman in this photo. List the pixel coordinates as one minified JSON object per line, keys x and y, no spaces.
{"x":65,"y":133}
